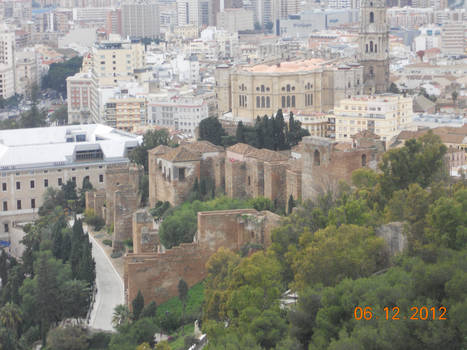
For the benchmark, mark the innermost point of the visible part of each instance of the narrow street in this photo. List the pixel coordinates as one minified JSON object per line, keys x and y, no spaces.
{"x":109,"y":289}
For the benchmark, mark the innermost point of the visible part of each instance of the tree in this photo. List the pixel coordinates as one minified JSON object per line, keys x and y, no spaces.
{"x":210,"y":129}
{"x":67,"y":338}
{"x":60,"y":116}
{"x":394,"y":89}
{"x":240,"y":133}
{"x":151,"y":139}
{"x":163,"y":345}
{"x":332,"y":254}
{"x":454,"y":96}
{"x":75,"y":295}
{"x":420,"y":161}
{"x":183,"y":294}
{"x":149,"y":310}
{"x":58,"y":72}
{"x":10,"y":317}
{"x":120,"y":316}
{"x":47,"y":291}
{"x":290,"y":204}
{"x":261,"y":203}
{"x":138,"y":305}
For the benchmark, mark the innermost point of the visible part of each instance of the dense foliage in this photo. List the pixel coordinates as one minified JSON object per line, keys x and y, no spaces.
{"x":179,"y":225}
{"x":54,"y":279}
{"x":327,"y":252}
{"x":268,"y":132}
{"x":58,"y":72}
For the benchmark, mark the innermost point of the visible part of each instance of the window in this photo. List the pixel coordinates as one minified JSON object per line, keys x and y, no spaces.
{"x":376,"y":48}
{"x":33,"y":203}
{"x":4,"y":186}
{"x":316,"y":158}
{"x":18,"y":185}
{"x":46,"y":183}
{"x":181,"y":174}
{"x":73,"y":179}
{"x":288,"y":87}
{"x":268,"y":102}
{"x":283,"y":101}
{"x":288,"y":101}
{"x":372,"y":17}
{"x":18,"y":204}
{"x":293,"y":101}
{"x":5,"y":206}
{"x":262,"y":102}
{"x":32,"y":184}
{"x":249,"y":181}
{"x":371,"y":46}
{"x":257,"y":101}
{"x":60,"y":181}
{"x":6,"y":228}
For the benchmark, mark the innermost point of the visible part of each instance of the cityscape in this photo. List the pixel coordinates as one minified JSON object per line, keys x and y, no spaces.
{"x":233,"y":174}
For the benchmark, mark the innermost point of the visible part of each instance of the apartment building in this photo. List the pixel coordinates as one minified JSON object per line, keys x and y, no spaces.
{"x":33,"y":160}
{"x":385,"y":115}
{"x":453,"y":38}
{"x":113,"y":62}
{"x":140,"y":20}
{"x":234,"y":20}
{"x":79,"y":97}
{"x":181,"y":112}
{"x":7,"y":62}
{"x":126,"y":113}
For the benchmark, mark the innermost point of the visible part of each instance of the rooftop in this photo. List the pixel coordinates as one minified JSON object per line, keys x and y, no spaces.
{"x":288,"y":67}
{"x":53,"y":146}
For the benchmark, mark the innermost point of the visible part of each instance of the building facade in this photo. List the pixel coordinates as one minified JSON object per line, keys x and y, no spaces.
{"x":384,"y":115}
{"x":140,"y":20}
{"x":33,"y":160}
{"x":79,"y":98}
{"x":308,"y":86}
{"x":126,"y":113}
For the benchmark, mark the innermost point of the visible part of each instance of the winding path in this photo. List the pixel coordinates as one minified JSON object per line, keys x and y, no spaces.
{"x":109,"y":289}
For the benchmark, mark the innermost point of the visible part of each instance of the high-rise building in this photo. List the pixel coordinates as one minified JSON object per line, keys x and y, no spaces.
{"x":234,"y":20}
{"x":114,"y":22}
{"x":7,"y":62}
{"x":140,"y":20}
{"x":195,"y":12}
{"x":453,"y":38}
{"x":374,"y":46}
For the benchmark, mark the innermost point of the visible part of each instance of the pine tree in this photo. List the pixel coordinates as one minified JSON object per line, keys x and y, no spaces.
{"x":290,"y":205}
{"x":240,"y":133}
{"x":76,"y":247}
{"x":138,"y":305}
{"x":183,"y":295}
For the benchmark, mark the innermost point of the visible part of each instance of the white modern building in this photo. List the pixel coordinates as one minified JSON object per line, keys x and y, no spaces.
{"x":32,"y":160}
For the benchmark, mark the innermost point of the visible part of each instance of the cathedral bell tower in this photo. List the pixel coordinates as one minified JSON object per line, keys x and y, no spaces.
{"x":374,"y":46}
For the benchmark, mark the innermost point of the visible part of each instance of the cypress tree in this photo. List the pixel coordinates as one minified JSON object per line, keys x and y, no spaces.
{"x":138,"y":305}
{"x":290,"y":205}
{"x":240,"y":133}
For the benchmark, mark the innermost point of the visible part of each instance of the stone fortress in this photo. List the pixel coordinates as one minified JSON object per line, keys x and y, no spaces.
{"x":315,"y":166}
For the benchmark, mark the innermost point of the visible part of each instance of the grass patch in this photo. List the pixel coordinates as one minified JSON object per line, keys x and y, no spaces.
{"x":193,"y":304}
{"x":179,"y":340}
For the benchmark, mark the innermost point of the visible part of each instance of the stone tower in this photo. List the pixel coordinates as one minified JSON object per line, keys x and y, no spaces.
{"x":374,"y":46}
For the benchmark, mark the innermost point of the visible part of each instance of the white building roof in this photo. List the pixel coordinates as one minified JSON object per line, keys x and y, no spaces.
{"x":56,"y":146}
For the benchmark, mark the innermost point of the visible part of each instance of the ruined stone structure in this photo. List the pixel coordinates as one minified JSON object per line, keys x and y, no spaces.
{"x":157,"y":274}
{"x":243,"y":171}
{"x":173,"y":171}
{"x":117,"y":203}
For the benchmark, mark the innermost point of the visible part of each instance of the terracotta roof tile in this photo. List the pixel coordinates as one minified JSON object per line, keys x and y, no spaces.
{"x":203,"y":147}
{"x":161,"y":149}
{"x":267,"y":155}
{"x":180,"y":154}
{"x":241,"y":148}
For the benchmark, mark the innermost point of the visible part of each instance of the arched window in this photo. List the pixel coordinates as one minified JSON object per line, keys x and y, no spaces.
{"x":371,"y":71}
{"x":363,"y":159}
{"x":372,"y":17}
{"x":366,"y":50}
{"x":262,"y":101}
{"x":371,"y":46}
{"x":268,"y":102}
{"x":288,"y":101}
{"x":257,"y":101}
{"x":316,"y":158}
{"x":376,"y":48}
{"x":288,"y":87}
{"x":293,"y":101}
{"x":283,"y":101}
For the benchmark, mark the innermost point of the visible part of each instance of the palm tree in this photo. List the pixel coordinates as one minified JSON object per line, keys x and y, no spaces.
{"x":121,"y":315}
{"x":10,"y":317}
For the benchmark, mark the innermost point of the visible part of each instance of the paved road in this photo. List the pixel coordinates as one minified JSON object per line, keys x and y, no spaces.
{"x":109,"y":289}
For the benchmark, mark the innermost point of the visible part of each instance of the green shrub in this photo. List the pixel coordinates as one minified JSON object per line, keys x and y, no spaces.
{"x":107,"y":242}
{"x":116,"y":255}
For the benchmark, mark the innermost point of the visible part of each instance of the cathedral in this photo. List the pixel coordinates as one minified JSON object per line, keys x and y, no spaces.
{"x":374,"y":46}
